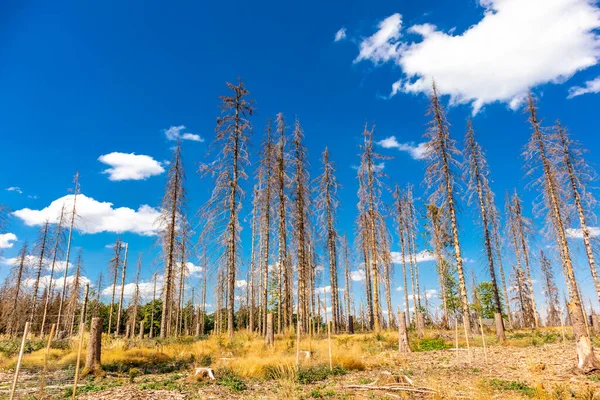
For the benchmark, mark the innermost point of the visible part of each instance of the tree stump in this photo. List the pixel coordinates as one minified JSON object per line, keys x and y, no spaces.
{"x":270,"y":337}
{"x":350,"y":324}
{"x":420,"y":325}
{"x":94,"y":348}
{"x":403,"y":345}
{"x":127,"y":331}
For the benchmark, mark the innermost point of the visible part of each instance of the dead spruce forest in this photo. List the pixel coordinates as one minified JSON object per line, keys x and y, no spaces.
{"x":279,"y":329}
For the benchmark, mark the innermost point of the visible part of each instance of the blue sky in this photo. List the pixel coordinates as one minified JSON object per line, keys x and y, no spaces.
{"x":81,"y":81}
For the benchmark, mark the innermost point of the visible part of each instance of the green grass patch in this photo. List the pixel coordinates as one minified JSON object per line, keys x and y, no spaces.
{"x":517,"y":386}
{"x":316,"y":373}
{"x":231,"y":381}
{"x":430,"y":344}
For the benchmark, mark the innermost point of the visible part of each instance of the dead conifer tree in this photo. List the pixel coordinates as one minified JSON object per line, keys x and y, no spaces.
{"x":69,"y":242}
{"x":183,"y":245}
{"x":253,"y":256}
{"x":370,"y":188}
{"x":536,"y":154}
{"x":281,"y":182}
{"x":136,"y":298}
{"x":388,"y":272}
{"x":477,"y":171}
{"x":550,"y":290}
{"x":348,"y":281}
{"x":58,"y":240}
{"x":410,"y":227}
{"x":122,"y":291}
{"x":399,"y":205}
{"x":170,"y":219}
{"x":362,"y":238}
{"x":300,"y":222}
{"x":17,"y":276}
{"x":327,"y":203}
{"x":438,"y":230}
{"x":577,"y":175}
{"x":76,"y":286}
{"x":440,"y":180}
{"x":115,"y":262}
{"x":266,"y":188}
{"x":497,"y":243}
{"x":228,"y":170}
{"x":519,"y":228}
{"x":41,"y":247}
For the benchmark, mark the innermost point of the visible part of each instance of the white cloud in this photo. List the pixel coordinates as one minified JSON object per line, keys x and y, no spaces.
{"x":517,"y":45}
{"x":417,"y":152}
{"x":422,"y":256}
{"x":30,"y":259}
{"x":95,"y":216}
{"x":399,"y":289}
{"x":14,"y":189}
{"x":146,"y":289}
{"x":592,"y":86}
{"x":340,"y":35}
{"x":7,"y":239}
{"x":175,"y":133}
{"x":57,"y":281}
{"x":358,"y":275}
{"x":130,"y":166}
{"x":577,"y":233}
{"x":383,"y":45}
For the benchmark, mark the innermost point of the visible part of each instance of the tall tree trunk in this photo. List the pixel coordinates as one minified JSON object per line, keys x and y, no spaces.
{"x":42,"y":249}
{"x":123,"y":274}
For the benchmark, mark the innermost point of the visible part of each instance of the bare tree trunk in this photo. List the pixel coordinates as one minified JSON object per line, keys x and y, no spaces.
{"x":55,"y":251}
{"x":114,"y":285}
{"x":403,"y":346}
{"x":69,"y":241}
{"x":42,"y":244}
{"x":120,"y":309}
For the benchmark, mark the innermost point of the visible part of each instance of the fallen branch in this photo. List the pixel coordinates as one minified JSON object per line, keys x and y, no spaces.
{"x":392,"y":388}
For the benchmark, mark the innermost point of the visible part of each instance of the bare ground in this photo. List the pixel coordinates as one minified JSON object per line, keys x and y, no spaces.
{"x":511,"y":372}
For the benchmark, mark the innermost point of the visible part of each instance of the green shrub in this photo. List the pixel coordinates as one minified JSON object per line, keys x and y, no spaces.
{"x":307,"y":375}
{"x":231,"y":381}
{"x":429,"y":344}
{"x":517,"y":386}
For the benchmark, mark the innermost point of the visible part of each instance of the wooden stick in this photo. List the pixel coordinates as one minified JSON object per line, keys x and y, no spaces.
{"x":399,"y":388}
{"x":81,"y":331}
{"x":298,"y":342}
{"x":562,"y":327}
{"x":20,"y":359}
{"x":43,"y":380}
{"x":483,"y":339}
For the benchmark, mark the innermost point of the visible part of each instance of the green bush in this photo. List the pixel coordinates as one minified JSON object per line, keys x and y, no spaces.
{"x":307,"y":375}
{"x":517,"y":386}
{"x":231,"y":381}
{"x":430,"y":344}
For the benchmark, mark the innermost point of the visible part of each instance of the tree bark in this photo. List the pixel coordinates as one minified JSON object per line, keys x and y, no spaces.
{"x":94,"y":347}
{"x":403,"y":345}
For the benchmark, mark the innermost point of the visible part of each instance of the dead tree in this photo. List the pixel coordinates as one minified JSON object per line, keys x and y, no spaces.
{"x":410,"y":226}
{"x":58,"y":241}
{"x":172,"y":212}
{"x":123,"y":275}
{"x":577,"y":175}
{"x":477,"y":171}
{"x":370,"y":188}
{"x":441,"y":239}
{"x":550,"y":290}
{"x":300,"y":222}
{"x":136,"y":298}
{"x":537,"y":156}
{"x":74,"y":298}
{"x":327,"y":203}
{"x":388,"y":272}
{"x":229,"y":170}
{"x":114,"y":271}
{"x":17,"y":276}
{"x":440,"y":180}
{"x":253,"y":255}
{"x":497,"y":243}
{"x":266,"y":187}
{"x":69,"y":242}
{"x":41,"y":247}
{"x":519,"y":227}
{"x":348,"y":281}
{"x":400,"y":214}
{"x":183,"y":245}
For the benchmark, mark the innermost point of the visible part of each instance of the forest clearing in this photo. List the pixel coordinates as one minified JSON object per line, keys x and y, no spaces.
{"x":268,"y":252}
{"x":529,"y":365}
